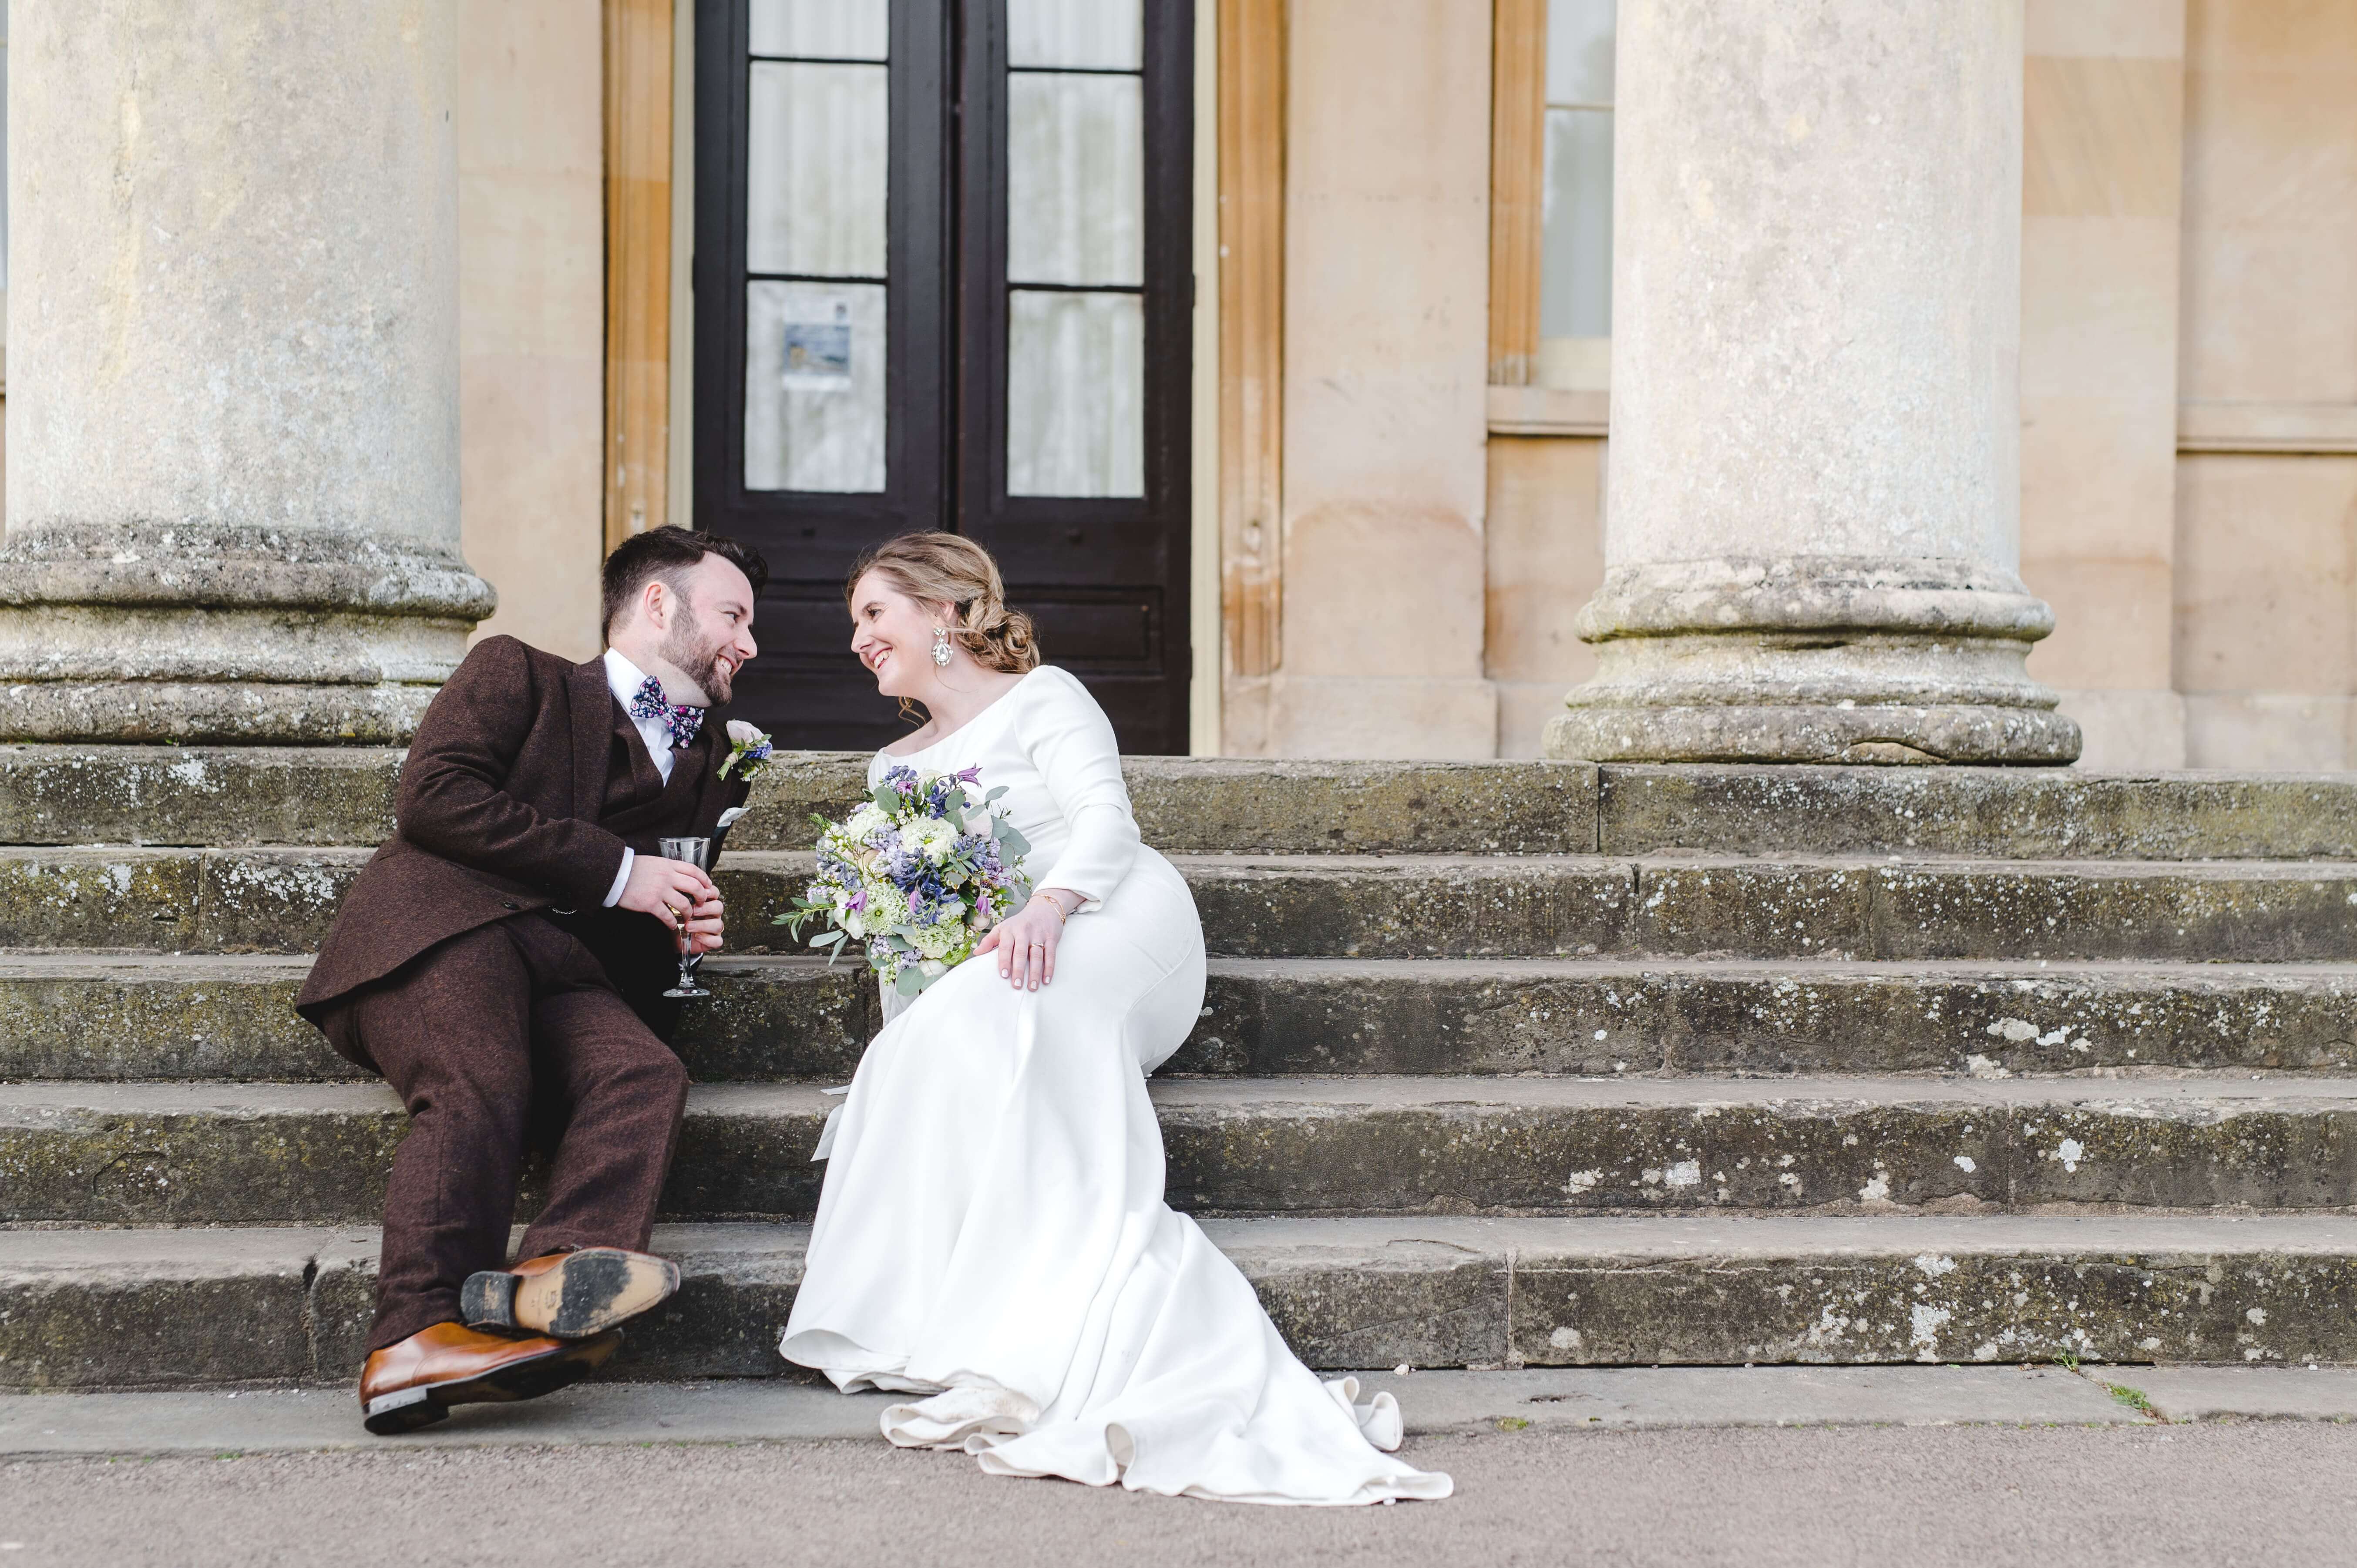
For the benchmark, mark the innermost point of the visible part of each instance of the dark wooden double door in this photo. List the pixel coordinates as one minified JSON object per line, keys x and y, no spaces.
{"x":942,"y":281}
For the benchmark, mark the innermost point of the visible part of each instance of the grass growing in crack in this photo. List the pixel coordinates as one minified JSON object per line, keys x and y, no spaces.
{"x":2135,"y":1400}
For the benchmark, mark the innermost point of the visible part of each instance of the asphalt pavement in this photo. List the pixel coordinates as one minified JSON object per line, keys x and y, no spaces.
{"x":2222,"y":1496}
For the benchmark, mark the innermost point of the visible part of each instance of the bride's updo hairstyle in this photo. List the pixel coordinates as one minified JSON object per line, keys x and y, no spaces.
{"x":948,"y":568}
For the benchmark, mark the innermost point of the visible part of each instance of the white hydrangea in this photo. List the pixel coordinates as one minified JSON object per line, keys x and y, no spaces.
{"x":932,"y":838}
{"x":887,"y":904}
{"x":935,"y":941}
{"x":866,"y":820}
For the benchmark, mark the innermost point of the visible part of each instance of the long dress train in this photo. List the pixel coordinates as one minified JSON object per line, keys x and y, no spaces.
{"x":992,"y":1234}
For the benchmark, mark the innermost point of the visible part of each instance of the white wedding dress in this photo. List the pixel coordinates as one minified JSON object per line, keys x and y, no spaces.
{"x":992,"y":1232}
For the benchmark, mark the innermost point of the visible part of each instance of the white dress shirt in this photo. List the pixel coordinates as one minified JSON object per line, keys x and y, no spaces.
{"x":626,"y":678}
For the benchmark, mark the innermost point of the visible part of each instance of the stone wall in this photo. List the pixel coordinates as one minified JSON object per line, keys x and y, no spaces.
{"x":1385,"y":353}
{"x":531,"y":314}
{"x":2103,"y":147}
{"x":2266,"y":494}
{"x":2189,"y":397}
{"x":1545,"y":540}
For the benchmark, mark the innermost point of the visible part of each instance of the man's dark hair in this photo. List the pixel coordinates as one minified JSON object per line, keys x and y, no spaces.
{"x":663,"y":553}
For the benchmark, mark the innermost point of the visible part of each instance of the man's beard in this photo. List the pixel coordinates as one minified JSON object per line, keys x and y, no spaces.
{"x":696,"y":657}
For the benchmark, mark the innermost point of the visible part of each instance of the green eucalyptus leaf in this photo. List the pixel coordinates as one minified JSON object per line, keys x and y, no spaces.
{"x":1012,"y":841}
{"x":911,"y":980}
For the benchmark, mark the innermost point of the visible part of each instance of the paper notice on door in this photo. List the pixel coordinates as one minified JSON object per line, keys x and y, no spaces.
{"x":818,"y":347}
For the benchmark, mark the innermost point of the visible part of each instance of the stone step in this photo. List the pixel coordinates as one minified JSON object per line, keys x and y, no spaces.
{"x":250,"y":795}
{"x":239,"y":795}
{"x":283,"y":900}
{"x":131,"y":1308}
{"x":316,"y":1154}
{"x":68,"y":1015}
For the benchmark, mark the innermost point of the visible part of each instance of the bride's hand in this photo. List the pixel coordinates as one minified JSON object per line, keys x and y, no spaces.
{"x":1025,"y":941}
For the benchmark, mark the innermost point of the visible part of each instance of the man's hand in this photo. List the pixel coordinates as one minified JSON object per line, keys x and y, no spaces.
{"x":670,"y":890}
{"x":704,"y":925}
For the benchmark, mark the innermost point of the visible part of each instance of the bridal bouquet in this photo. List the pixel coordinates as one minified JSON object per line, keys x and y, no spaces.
{"x":917,"y":873}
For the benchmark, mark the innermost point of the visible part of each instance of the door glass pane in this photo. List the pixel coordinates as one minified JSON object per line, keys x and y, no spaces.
{"x":831,"y":29}
{"x":817,"y":140}
{"x":1579,"y":52}
{"x":813,"y":386}
{"x":1100,"y":35}
{"x":1576,"y":256}
{"x":1075,"y":394}
{"x":1075,"y":178}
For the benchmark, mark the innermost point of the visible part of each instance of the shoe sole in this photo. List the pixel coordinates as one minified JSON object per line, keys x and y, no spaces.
{"x":423,"y":1404}
{"x":591,"y":1291}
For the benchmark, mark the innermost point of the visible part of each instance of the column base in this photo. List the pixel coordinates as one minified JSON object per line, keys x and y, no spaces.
{"x":1883,"y":736}
{"x":226,"y":634}
{"x":1813,"y":659}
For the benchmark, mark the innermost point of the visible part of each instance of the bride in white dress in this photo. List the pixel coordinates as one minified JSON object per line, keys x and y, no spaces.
{"x":992,"y":1234}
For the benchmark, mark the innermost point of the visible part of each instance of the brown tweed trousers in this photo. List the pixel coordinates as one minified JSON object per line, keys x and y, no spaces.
{"x":472,"y":965}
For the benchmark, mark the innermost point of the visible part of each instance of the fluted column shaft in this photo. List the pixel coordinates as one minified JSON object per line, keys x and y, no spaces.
{"x":1812,"y":537}
{"x":233,"y":479}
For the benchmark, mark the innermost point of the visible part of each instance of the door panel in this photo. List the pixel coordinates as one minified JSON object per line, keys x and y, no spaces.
{"x":823,"y":327}
{"x":1076,"y":279}
{"x":942,"y":282}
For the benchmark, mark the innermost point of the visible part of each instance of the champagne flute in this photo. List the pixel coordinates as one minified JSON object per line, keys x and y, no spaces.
{"x":697,"y":852}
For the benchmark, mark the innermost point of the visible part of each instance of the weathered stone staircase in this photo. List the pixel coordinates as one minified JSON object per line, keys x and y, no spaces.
{"x":1501,"y":1063}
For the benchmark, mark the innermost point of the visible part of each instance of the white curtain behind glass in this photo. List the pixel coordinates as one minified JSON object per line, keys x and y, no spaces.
{"x":1075,"y":217}
{"x":1576,"y":260}
{"x":818,"y":136}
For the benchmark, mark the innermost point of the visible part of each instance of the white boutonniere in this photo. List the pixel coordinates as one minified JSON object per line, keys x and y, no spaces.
{"x":748,"y":750}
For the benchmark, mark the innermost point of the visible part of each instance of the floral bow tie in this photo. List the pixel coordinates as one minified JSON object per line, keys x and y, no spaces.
{"x":678,"y":718}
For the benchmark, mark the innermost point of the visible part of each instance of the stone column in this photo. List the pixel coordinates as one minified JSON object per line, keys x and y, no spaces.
{"x":1811,"y":539}
{"x":232,"y":485}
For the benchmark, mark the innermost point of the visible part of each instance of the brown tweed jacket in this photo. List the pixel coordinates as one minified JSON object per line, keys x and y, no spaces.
{"x":500,"y":811}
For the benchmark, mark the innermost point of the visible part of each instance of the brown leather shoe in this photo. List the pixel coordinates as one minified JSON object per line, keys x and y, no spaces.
{"x":413,"y":1383}
{"x":568,"y":1295}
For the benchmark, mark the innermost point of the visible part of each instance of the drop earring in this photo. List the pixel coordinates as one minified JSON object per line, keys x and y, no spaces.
{"x":941,"y":647}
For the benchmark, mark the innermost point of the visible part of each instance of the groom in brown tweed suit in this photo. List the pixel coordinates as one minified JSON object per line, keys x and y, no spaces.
{"x":501,"y":962}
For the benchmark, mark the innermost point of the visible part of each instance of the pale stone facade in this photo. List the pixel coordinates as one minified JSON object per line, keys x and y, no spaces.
{"x":2189,"y":397}
{"x":2100,"y":237}
{"x":2187,"y":434}
{"x":1386,"y":265}
{"x":2266,"y":587}
{"x":531,"y":314}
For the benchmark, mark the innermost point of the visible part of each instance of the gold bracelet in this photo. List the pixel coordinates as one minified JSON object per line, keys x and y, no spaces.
{"x":1063,"y":920}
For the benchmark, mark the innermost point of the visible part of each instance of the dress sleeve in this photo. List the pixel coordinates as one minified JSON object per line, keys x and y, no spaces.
{"x":1071,"y":742}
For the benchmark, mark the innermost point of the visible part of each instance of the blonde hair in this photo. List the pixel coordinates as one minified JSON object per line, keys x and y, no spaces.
{"x":948,"y":568}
